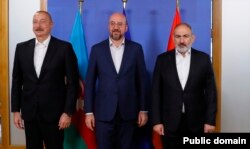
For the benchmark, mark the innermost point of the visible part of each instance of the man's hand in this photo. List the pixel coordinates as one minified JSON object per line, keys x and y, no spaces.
{"x":209,"y":128}
{"x":90,"y":121}
{"x":159,"y":128}
{"x":142,"y":118}
{"x":18,"y":121}
{"x":64,"y":121}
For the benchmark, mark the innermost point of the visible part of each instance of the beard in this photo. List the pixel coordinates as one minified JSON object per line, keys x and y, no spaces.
{"x":183,"y":48}
{"x":116,"y":35}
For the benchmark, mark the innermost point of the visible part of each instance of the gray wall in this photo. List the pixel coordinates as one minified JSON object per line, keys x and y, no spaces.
{"x":235,"y":105}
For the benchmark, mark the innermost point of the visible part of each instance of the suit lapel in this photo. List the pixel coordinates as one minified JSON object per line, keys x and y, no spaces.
{"x":124,"y":57}
{"x":108,"y":55}
{"x":30,"y":57}
{"x":191,"y":69}
{"x":175,"y":73}
{"x":49,"y":54}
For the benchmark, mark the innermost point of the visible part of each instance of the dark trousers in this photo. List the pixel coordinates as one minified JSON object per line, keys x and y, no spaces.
{"x":39,"y":132}
{"x":115,"y":134}
{"x":173,"y":140}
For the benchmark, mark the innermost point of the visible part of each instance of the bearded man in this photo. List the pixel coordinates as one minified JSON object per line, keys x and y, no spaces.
{"x":115,"y":102}
{"x":183,"y":91}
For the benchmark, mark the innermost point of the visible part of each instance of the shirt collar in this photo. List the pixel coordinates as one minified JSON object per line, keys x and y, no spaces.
{"x":45,"y":42}
{"x":111,"y":43}
{"x":187,"y":53}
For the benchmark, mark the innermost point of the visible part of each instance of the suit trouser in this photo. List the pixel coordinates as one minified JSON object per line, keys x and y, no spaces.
{"x":115,"y":134}
{"x":173,"y":140}
{"x":39,"y":132}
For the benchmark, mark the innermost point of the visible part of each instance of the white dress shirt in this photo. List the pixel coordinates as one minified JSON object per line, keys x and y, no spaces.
{"x":183,"y":67}
{"x":117,"y":54}
{"x":39,"y":54}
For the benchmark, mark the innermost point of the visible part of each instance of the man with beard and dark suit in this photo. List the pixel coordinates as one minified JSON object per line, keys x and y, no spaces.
{"x":116,"y":88}
{"x":183,"y":91}
{"x":44,"y":86}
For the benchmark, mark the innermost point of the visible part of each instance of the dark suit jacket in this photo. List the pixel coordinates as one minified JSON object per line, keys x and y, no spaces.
{"x":48,"y":94}
{"x":199,"y":94}
{"x":125,"y":89}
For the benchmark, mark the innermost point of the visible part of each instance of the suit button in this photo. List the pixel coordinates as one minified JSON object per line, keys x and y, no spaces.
{"x":117,"y":78}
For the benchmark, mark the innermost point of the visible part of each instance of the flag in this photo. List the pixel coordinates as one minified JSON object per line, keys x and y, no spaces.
{"x":176,"y":21}
{"x":127,"y":34}
{"x":157,"y":141}
{"x":78,"y":136}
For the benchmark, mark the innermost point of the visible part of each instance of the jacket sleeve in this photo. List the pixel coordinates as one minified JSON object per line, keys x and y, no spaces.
{"x":210,"y":95}
{"x":17,"y":82}
{"x":72,"y":75}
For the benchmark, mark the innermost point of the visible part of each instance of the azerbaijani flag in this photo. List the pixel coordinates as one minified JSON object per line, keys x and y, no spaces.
{"x":78,"y":136}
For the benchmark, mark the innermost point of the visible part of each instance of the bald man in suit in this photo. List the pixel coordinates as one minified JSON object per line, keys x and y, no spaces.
{"x":115,"y":100}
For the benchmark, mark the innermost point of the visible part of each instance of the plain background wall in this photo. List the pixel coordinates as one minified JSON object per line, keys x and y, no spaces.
{"x":20,"y":29}
{"x":235,"y":104}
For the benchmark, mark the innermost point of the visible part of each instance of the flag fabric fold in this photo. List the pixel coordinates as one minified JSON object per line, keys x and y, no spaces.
{"x":176,"y":21}
{"x":77,"y":39}
{"x":78,"y":136}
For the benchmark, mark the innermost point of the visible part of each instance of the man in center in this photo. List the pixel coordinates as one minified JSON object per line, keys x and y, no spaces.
{"x":115,"y":101}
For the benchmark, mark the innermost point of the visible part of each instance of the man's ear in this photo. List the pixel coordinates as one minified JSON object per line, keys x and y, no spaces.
{"x":193,"y":38}
{"x":126,"y":28}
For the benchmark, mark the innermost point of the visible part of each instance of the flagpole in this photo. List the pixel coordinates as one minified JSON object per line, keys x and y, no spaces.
{"x":124,"y":3}
{"x":177,"y":5}
{"x":80,"y":5}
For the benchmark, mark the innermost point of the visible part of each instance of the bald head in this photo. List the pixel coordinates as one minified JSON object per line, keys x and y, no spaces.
{"x":118,"y":16}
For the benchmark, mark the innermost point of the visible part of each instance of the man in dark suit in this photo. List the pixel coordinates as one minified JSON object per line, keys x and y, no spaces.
{"x":183,"y":91}
{"x":116,"y":88}
{"x":44,"y":86}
